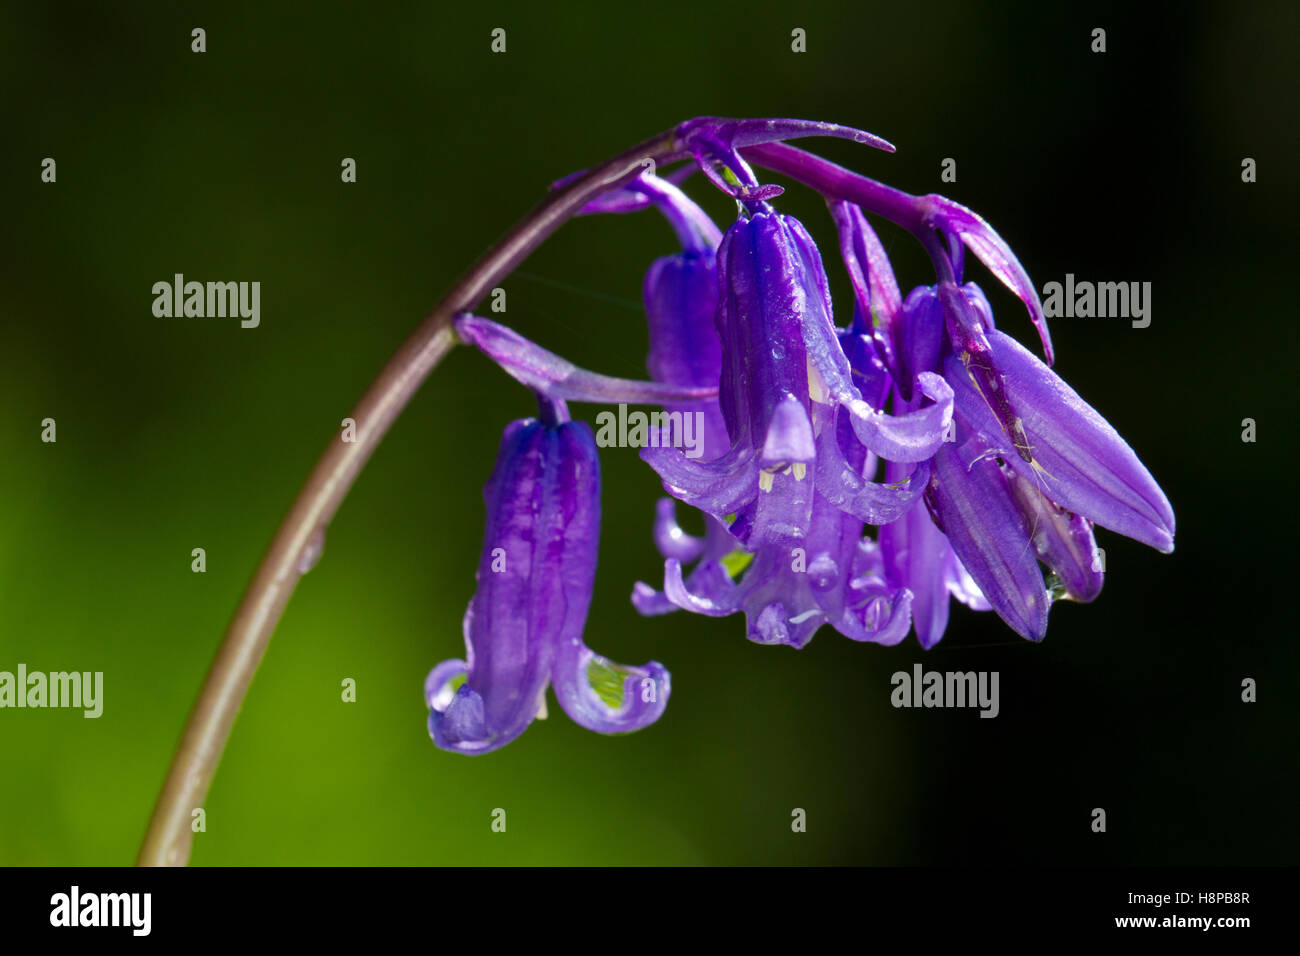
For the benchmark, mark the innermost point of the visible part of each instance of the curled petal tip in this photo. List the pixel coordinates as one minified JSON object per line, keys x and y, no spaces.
{"x":607,"y":697}
{"x":649,"y":602}
{"x":912,"y":436}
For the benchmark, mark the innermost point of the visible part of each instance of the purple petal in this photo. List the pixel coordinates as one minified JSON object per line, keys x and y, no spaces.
{"x":780,"y":604}
{"x":962,"y":586}
{"x":670,"y":539}
{"x":882,"y":620}
{"x":918,"y":338}
{"x":649,"y":602}
{"x":975,"y":295}
{"x":1080,"y":461}
{"x":789,"y":435}
{"x":829,"y":376}
{"x":871,"y":378}
{"x":969,"y":341}
{"x":681,"y":294}
{"x":868,"y":265}
{"x":780,"y":514}
{"x":773,"y":623}
{"x":438,"y":689}
{"x":872,"y":609}
{"x":695,"y":230}
{"x":844,"y":487}
{"x":972,"y":503}
{"x":716,"y":487}
{"x":1063,"y":541}
{"x":463,"y":726}
{"x":913,"y":436}
{"x":717,"y":599}
{"x":763,"y":292}
{"x":915,"y":555}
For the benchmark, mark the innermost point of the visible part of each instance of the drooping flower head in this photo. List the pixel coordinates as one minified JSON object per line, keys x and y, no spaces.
{"x":857,"y":473}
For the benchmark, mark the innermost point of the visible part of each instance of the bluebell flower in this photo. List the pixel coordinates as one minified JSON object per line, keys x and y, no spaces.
{"x":680,"y":294}
{"x":782,"y":360}
{"x":817,"y":567}
{"x":523,"y":627}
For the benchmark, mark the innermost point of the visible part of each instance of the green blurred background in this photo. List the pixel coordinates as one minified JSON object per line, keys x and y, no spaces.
{"x":182,"y":433}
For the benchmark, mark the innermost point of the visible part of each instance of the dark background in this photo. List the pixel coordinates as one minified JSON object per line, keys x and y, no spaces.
{"x":183,"y":433}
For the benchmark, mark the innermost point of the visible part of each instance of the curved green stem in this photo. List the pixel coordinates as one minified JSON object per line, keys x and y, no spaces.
{"x":168,"y":839}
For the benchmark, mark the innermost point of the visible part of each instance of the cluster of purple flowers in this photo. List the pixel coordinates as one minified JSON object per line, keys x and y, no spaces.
{"x":856,"y":476}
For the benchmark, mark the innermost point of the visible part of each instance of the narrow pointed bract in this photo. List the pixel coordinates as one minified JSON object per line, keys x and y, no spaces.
{"x":559,"y":379}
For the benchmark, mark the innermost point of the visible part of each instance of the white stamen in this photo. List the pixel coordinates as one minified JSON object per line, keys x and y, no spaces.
{"x":816,"y":385}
